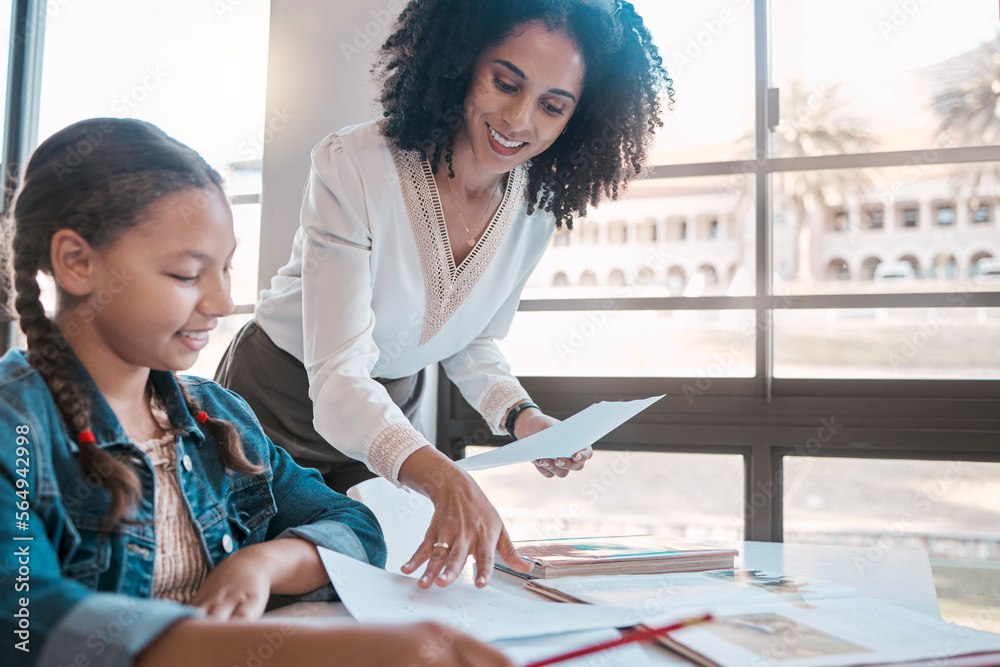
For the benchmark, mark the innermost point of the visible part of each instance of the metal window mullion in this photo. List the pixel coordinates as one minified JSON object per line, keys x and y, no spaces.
{"x":24,"y":78}
{"x":817,"y":162}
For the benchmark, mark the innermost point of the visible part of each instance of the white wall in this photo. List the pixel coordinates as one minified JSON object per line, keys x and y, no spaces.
{"x":320,"y":53}
{"x":318,"y":81}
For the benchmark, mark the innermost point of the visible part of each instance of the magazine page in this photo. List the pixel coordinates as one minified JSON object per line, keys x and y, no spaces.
{"x":657,"y":593}
{"x":833,"y":633}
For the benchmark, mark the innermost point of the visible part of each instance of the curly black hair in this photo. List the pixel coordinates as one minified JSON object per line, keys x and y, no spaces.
{"x":426,"y":63}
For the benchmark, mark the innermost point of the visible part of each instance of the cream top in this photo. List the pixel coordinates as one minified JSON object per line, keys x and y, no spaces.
{"x":372,"y":290}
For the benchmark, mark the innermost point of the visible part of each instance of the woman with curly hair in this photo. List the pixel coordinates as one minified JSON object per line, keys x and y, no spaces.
{"x":503,"y":120}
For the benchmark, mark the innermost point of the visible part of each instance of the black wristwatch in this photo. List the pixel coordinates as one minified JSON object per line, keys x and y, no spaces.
{"x":512,"y":416}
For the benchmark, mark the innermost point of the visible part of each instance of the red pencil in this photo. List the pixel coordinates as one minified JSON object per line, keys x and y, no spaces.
{"x":639,"y":636}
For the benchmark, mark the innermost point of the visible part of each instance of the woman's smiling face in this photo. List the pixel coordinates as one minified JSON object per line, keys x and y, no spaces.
{"x":521,"y":94}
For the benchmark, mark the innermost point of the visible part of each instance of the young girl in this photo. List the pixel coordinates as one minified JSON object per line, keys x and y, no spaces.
{"x":151,"y":509}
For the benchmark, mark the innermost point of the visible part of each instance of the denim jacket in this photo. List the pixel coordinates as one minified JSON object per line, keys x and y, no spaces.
{"x":73,"y":595}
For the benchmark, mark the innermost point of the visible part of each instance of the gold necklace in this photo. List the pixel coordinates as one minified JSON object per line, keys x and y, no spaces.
{"x":472,"y":237}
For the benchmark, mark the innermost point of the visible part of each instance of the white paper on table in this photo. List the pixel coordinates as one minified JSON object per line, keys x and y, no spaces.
{"x":373,"y":595}
{"x":525,"y":651}
{"x":564,"y":439}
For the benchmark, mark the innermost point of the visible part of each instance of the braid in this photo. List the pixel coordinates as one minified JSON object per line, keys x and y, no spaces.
{"x":47,"y":354}
{"x":227,"y":440}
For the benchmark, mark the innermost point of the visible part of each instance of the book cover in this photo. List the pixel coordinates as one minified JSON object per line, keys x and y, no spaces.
{"x":631,"y":554}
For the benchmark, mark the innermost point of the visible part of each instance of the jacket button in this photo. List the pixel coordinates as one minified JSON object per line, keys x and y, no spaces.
{"x":227,"y":543}
{"x":186,"y":462}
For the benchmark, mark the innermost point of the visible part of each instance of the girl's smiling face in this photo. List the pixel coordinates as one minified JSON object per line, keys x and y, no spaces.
{"x":157,"y":291}
{"x":521,"y":95}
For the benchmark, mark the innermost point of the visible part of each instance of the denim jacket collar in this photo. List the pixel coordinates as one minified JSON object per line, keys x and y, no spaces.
{"x":105,"y":425}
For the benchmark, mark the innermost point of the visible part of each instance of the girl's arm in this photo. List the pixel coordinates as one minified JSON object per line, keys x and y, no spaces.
{"x":198,"y":643}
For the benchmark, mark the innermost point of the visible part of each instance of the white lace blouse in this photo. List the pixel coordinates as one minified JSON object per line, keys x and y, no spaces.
{"x":371,"y":290}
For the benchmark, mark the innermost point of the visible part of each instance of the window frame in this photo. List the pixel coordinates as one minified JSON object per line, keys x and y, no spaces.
{"x":765,"y":418}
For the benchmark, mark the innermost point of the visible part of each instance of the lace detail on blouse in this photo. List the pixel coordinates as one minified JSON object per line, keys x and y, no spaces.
{"x":447,"y":285}
{"x":181,"y":564}
{"x":394,"y":439}
{"x":498,"y":399}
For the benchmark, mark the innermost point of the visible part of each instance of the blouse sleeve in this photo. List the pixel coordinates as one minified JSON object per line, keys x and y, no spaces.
{"x":350,"y":409}
{"x":482,"y":373}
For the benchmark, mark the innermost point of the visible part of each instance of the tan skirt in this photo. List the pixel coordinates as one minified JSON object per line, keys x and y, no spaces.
{"x":276,"y":386}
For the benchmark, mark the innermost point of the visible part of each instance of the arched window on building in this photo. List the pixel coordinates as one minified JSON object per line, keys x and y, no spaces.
{"x":560,"y":280}
{"x":588,"y":278}
{"x":912,"y":261}
{"x":676,"y":279}
{"x":837,"y":269}
{"x":711,"y":275}
{"x":616,"y":278}
{"x":868,"y":268}
{"x":945,"y":266}
{"x":617,"y":231}
{"x":644,"y":276}
{"x":974,"y":269}
{"x":561,"y":238}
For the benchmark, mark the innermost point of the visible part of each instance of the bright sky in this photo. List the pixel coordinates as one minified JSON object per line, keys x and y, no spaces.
{"x":197,"y":68}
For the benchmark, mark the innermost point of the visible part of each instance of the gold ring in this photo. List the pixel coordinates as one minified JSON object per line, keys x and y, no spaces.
{"x":443,"y":545}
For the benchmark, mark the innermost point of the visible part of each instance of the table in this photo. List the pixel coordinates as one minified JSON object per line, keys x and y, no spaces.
{"x":899,"y":576}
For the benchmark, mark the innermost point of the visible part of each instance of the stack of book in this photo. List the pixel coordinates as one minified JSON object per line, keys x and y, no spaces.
{"x":631,"y":554}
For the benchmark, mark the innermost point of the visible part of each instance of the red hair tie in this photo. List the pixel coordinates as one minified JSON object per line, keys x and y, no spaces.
{"x":201,"y":417}
{"x":86,"y":438}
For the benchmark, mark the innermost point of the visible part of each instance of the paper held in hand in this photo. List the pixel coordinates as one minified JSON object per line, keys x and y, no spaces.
{"x":629,"y":554}
{"x":564,"y":439}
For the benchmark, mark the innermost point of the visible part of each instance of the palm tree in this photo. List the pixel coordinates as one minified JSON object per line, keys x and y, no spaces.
{"x":969,"y":111}
{"x":814,"y":122}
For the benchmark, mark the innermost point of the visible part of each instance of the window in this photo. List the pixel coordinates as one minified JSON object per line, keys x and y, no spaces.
{"x":797,"y":311}
{"x":981,"y":211}
{"x":617,"y":231}
{"x":910,"y":216}
{"x":945,"y":215}
{"x":214,"y":53}
{"x":873,"y":217}
{"x":676,"y":229}
{"x":646,"y":231}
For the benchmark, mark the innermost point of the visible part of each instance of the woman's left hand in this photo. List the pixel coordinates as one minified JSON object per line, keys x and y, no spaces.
{"x":532,"y":421}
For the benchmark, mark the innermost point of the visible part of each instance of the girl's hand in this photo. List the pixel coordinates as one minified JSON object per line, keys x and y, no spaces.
{"x":464,"y":520}
{"x":240,"y":586}
{"x":531,"y":421}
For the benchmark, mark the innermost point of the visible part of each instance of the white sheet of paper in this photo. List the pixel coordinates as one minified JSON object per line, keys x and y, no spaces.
{"x":373,"y":595}
{"x":532,"y":649}
{"x":565,"y":438}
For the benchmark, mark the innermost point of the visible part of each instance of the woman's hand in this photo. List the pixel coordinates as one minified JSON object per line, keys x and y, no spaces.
{"x":241,"y":585}
{"x":533,"y":420}
{"x":464,"y":520}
